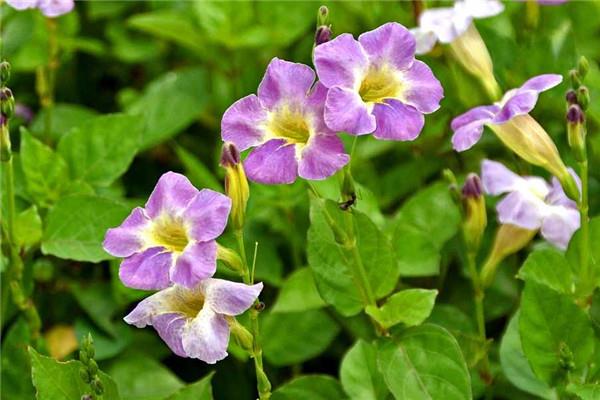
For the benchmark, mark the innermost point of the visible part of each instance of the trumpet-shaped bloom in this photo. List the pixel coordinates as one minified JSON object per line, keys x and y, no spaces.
{"x":376,"y":85}
{"x":532,"y":203}
{"x":445,"y":24}
{"x":50,"y":8}
{"x":284,"y":123}
{"x":171,"y":239}
{"x":193,"y":322}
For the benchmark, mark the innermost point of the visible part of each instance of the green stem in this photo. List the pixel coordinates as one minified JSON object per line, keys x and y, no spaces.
{"x":587,"y":276}
{"x":262,"y":381}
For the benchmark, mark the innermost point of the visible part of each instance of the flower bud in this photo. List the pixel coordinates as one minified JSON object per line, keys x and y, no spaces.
{"x":583,"y":67}
{"x":323,"y":16}
{"x":322,"y":35}
{"x":93,"y":367}
{"x":509,"y":239}
{"x":97,"y":386}
{"x":576,"y":131}
{"x":583,"y":97}
{"x":4,"y":73}
{"x":571,"y":97}
{"x":236,"y":184}
{"x":242,"y":336}
{"x":84,"y":375}
{"x":575,"y":78}
{"x":7,"y":102}
{"x":231,"y":259}
{"x":475,"y":216}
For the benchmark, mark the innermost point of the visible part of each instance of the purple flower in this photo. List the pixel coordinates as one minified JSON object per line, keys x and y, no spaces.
{"x":172,"y":239}
{"x":284,"y":122}
{"x":50,"y":8}
{"x":532,"y":203}
{"x":193,"y":322}
{"x":376,"y":85}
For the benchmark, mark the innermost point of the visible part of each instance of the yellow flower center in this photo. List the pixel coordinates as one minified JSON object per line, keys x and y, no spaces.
{"x":187,"y":302}
{"x":169,"y":233}
{"x":289,"y":124}
{"x":379,"y":84}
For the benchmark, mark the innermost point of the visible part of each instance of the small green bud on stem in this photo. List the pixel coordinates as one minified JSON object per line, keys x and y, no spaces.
{"x":474,"y":212}
{"x":236,"y":184}
{"x":576,"y":132}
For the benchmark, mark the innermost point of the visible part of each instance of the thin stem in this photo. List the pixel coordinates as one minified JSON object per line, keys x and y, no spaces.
{"x":47,"y":76}
{"x":587,"y":276}
{"x":262,"y":381}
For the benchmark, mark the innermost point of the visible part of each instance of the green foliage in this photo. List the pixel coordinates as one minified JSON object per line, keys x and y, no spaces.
{"x":359,"y":375}
{"x":410,"y":307}
{"x":298,"y":293}
{"x":310,"y":387}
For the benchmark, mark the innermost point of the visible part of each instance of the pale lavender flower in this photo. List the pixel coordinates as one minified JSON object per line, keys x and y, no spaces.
{"x":376,"y":85}
{"x":50,"y":8}
{"x":445,"y":24}
{"x":532,"y":203}
{"x":171,"y":239}
{"x":284,"y":123}
{"x":194,"y":322}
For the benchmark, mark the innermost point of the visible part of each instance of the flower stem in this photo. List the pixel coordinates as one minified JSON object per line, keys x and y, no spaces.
{"x":46,"y":77}
{"x":586,"y":275}
{"x":263,"y":384}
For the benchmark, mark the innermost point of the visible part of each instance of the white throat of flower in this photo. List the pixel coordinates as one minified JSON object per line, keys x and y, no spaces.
{"x":291,"y":123}
{"x":380,"y":83}
{"x":167,"y":231}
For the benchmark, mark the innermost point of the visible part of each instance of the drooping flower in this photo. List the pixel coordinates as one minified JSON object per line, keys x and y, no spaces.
{"x":284,"y":123}
{"x":194,"y":322}
{"x":532,"y":203}
{"x":171,"y":239}
{"x":50,"y":8}
{"x":376,"y":85}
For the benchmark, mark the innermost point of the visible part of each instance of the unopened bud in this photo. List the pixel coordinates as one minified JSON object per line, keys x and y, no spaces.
{"x":4,"y":73}
{"x":571,"y":97}
{"x":323,"y":34}
{"x":475,"y":215}
{"x":576,"y":131}
{"x":97,"y":386}
{"x":565,"y":355}
{"x":7,"y":102}
{"x":231,"y":259}
{"x":323,"y":16}
{"x":583,"y":97}
{"x":93,"y":367}
{"x":85,"y":375}
{"x":583,"y":67}
{"x":575,"y":78}
{"x":236,"y":184}
{"x":242,"y":336}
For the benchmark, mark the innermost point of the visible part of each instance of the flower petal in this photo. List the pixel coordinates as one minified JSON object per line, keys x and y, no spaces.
{"x":521,"y":102}
{"x":323,"y":156}
{"x":521,"y":209}
{"x":172,"y":194}
{"x":557,"y":196}
{"x":206,"y":337}
{"x":22,"y":4}
{"x":482,"y":8}
{"x":425,"y":40}
{"x":559,"y":225}
{"x":230,"y":298}
{"x":498,"y":179}
{"x":441,"y":22}
{"x":207,"y":215}
{"x":390,"y":43}
{"x":148,"y":270}
{"x":272,"y":163}
{"x":55,"y":8}
{"x":345,"y":111}
{"x":468,"y":127}
{"x":424,"y":91}
{"x":541,"y":83}
{"x":198,"y":261}
{"x":170,"y":329}
{"x":397,"y":121}
{"x":340,"y":62}
{"x":242,"y":123}
{"x":482,"y":114}
{"x":150,"y":307}
{"x":285,"y":80}
{"x":126,"y":239}
{"x":315,"y":106}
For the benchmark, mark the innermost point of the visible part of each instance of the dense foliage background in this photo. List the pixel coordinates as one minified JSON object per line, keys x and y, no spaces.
{"x":170,"y":69}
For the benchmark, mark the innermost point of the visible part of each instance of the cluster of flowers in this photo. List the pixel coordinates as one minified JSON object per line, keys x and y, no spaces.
{"x":373,"y":85}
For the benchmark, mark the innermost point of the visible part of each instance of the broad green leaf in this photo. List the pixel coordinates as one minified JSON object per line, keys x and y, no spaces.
{"x":310,"y":387}
{"x":410,"y":307}
{"x":553,"y":330}
{"x":16,"y":365}
{"x":359,"y":375}
{"x":170,"y":103}
{"x":140,"y":377}
{"x":424,"y":362}
{"x":76,"y":225}
{"x":97,"y":301}
{"x":573,"y":251}
{"x":101,"y":149}
{"x":46,"y":172}
{"x":425,"y":222}
{"x":196,"y":171}
{"x":307,"y":334}
{"x":28,"y":227}
{"x":201,"y":390}
{"x":337,"y":268}
{"x":515,"y":365}
{"x":298,"y":293}
{"x":550,"y":268}
{"x":589,"y":391}
{"x":64,"y":118}
{"x":61,"y":380}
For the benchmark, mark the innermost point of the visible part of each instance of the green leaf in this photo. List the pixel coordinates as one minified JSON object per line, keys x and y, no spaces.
{"x":589,"y":391}
{"x":76,"y":225}
{"x":98,"y":303}
{"x":101,"y":149}
{"x":516,"y":367}
{"x":410,"y":306}
{"x":298,"y":293}
{"x":550,"y":268}
{"x":424,"y":362}
{"x":170,"y":103}
{"x":196,"y":171}
{"x":140,"y":377}
{"x":45,"y":171}
{"x":423,"y":225}
{"x":28,"y":227}
{"x":200,"y":390}
{"x":551,"y":325}
{"x":307,"y":334}
{"x":61,"y":380}
{"x":573,"y":251}
{"x":64,"y":118}
{"x":16,"y":365}
{"x":310,"y":387}
{"x":336,"y":267}
{"x":359,"y":375}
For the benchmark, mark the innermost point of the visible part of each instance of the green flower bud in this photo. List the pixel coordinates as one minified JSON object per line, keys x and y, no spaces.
{"x":323,"y":16}
{"x":575,"y":78}
{"x":475,"y":215}
{"x":93,"y":367}
{"x":7,"y":103}
{"x":242,"y":336}
{"x":97,"y":386}
{"x":236,"y":184}
{"x":4,"y":73}
{"x":583,"y":67}
{"x":583,"y":97}
{"x":576,"y":132}
{"x":231,"y":258}
{"x":85,"y":375}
